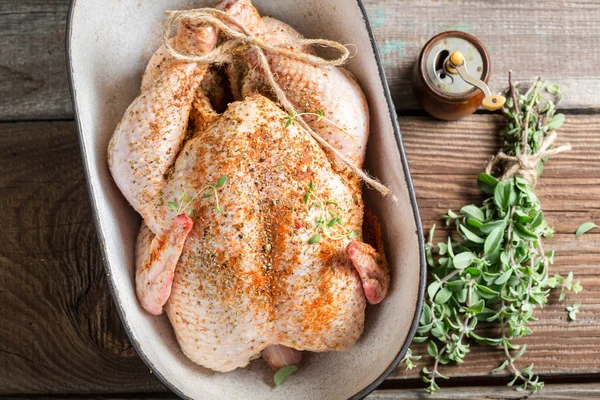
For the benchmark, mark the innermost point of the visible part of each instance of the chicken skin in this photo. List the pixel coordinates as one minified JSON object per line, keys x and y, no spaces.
{"x":250,"y":239}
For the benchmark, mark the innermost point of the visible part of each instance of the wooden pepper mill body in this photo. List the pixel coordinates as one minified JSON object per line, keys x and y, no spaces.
{"x":432,"y":93}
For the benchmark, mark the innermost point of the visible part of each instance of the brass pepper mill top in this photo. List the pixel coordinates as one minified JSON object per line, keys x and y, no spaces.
{"x":451,"y":74}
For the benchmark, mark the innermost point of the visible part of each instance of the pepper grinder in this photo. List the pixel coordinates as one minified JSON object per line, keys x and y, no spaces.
{"x":450,"y":77}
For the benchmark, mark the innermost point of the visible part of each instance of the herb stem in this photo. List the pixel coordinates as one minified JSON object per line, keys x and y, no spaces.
{"x":448,"y":277}
{"x":190,"y":202}
{"x":509,"y":238}
{"x":525,"y":135}
{"x":513,"y":93}
{"x":511,"y":362}
{"x":434,"y":372}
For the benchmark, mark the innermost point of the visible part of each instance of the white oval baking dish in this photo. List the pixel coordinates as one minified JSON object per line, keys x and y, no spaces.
{"x":108,"y":45}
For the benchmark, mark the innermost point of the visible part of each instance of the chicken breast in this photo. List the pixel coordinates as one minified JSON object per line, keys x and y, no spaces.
{"x":248,"y":276}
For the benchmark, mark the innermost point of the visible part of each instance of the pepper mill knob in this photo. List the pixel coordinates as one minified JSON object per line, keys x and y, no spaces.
{"x":457,"y":58}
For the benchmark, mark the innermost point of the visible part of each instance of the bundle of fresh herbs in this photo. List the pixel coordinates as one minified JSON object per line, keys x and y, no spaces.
{"x":494,"y":269}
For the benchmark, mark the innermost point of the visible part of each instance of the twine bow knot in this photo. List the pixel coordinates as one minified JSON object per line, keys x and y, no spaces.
{"x":525,"y":165}
{"x":240,"y":40}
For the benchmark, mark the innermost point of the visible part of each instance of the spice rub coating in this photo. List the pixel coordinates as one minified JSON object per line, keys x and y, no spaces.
{"x":247,"y":277}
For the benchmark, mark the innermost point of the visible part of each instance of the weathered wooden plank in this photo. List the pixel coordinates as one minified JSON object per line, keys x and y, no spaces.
{"x":445,"y":158}
{"x":555,"y":38}
{"x":550,"y":392}
{"x":66,"y":336}
{"x":60,"y":329}
{"x":33,"y":74}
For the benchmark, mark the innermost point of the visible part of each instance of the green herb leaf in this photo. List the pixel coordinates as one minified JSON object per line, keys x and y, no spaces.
{"x":585,"y":227}
{"x":333,"y":221}
{"x":450,"y":248}
{"x":471,"y":236}
{"x":315,"y":239}
{"x":221,"y":181}
{"x":456,"y":286}
{"x":487,"y":183}
{"x":432,"y":349}
{"x":463,"y":260}
{"x":426,"y":315}
{"x":288,"y":121}
{"x":504,"y":194}
{"x":524,"y":233}
{"x":474,"y":212}
{"x":500,"y":368}
{"x":282,"y":374}
{"x":210,"y":193}
{"x":477,"y":307}
{"x":443,"y":296}
{"x":353,"y":234}
{"x":521,"y":352}
{"x":557,"y":122}
{"x":494,"y":240}
{"x":502,"y":279}
{"x":173,"y":206}
{"x":432,"y":289}
{"x":306,"y":198}
{"x":487,"y":290}
{"x":537,"y":220}
{"x":488,"y":227}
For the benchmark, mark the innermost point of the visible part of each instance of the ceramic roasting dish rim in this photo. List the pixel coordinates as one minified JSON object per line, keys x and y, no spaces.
{"x":408,"y":181}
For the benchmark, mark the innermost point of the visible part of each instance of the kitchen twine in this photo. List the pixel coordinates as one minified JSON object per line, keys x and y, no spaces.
{"x":240,"y":40}
{"x":525,"y":165}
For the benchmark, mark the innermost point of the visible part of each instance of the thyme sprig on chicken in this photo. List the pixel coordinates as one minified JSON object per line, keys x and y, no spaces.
{"x":329,"y":222}
{"x":182,"y":204}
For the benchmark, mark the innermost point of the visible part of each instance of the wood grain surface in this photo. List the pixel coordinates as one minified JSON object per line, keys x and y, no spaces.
{"x":550,"y":392}
{"x":553,"y":38}
{"x":66,"y":336}
{"x":33,"y":69}
{"x":60,"y":332}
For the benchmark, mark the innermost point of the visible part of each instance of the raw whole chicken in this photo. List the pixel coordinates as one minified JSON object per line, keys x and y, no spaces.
{"x":250,"y":240}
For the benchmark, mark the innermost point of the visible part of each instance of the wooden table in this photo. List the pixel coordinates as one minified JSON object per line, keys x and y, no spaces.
{"x":59,"y":330}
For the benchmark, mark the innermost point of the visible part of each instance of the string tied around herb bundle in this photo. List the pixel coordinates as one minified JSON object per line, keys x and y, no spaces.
{"x":525,"y":165}
{"x":241,"y":40}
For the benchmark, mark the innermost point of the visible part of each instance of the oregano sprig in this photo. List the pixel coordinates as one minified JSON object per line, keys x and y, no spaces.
{"x":493,"y":269}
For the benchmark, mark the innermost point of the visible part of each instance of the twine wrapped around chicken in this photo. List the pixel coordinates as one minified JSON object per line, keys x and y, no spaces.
{"x":241,"y":40}
{"x":524,"y":162}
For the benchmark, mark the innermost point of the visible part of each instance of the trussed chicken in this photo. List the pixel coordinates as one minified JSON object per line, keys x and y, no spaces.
{"x":250,"y":233}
